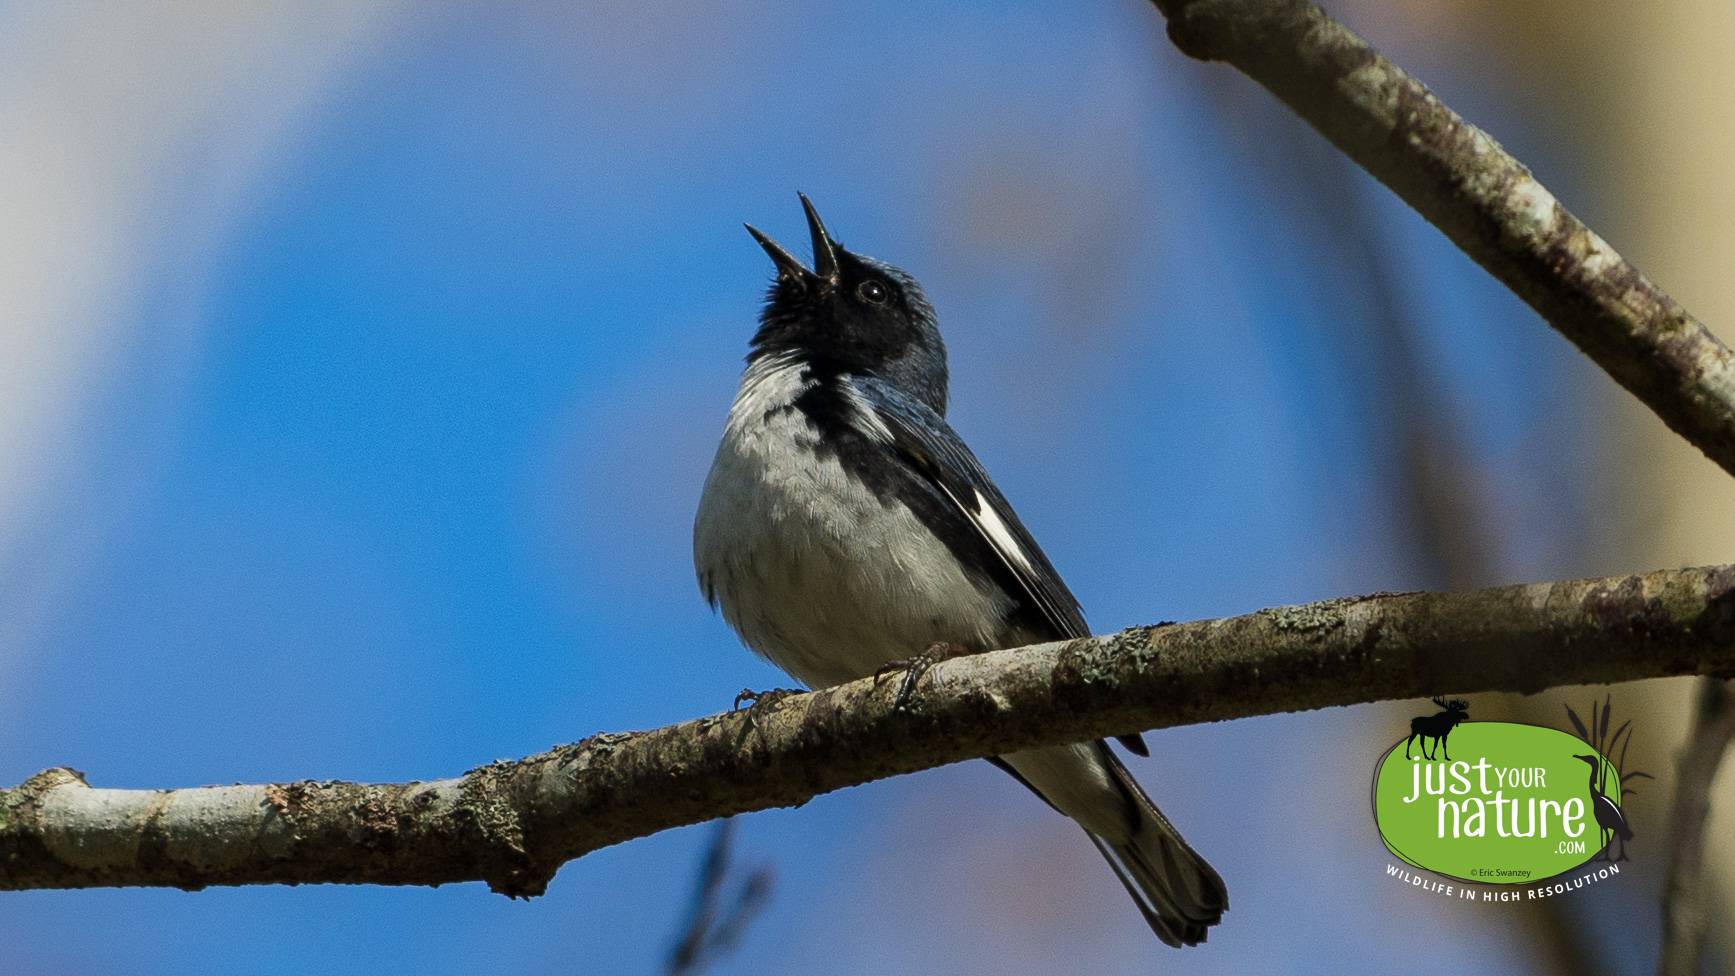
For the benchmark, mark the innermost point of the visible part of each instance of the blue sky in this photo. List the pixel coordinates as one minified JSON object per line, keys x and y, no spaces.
{"x":398,"y":477}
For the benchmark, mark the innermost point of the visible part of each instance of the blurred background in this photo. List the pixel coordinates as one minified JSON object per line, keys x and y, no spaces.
{"x":361,"y":362}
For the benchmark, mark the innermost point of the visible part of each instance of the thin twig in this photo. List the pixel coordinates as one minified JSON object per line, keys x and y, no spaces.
{"x":1686,"y":900}
{"x":713,"y":928}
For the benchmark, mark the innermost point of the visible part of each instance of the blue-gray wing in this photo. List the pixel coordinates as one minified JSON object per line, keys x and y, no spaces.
{"x":976,"y":523}
{"x":996,"y":543}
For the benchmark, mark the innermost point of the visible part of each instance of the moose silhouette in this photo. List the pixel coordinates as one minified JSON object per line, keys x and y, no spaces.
{"x":1437,"y":727}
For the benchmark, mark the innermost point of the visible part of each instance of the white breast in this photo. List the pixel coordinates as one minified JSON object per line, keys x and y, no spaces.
{"x":812,"y":570}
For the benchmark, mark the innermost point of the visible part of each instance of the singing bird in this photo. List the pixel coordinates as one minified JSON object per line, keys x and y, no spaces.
{"x":845,"y":526}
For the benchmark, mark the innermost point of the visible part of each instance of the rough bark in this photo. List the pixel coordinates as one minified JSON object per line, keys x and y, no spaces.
{"x":513,"y":824}
{"x":1486,"y":202}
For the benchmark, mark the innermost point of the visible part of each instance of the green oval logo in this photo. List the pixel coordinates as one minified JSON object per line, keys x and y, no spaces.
{"x":1510,"y":804}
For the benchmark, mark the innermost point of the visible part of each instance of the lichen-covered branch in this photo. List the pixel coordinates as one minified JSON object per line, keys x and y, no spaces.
{"x":513,"y":824}
{"x":1485,"y":201}
{"x":1686,"y":912}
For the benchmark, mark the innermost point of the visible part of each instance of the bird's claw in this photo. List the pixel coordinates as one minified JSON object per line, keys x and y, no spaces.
{"x":913,"y":669}
{"x":754,"y":699}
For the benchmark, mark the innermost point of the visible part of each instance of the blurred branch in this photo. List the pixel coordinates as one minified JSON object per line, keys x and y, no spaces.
{"x":513,"y":824}
{"x":1686,"y":902}
{"x":1485,"y":201}
{"x":1374,"y":328}
{"x":712,"y":930}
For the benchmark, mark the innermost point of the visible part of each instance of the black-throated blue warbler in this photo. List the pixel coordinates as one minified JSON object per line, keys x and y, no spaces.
{"x":844,"y":527}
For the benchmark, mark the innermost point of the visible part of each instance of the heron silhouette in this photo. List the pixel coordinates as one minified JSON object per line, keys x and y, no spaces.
{"x":1608,"y":813}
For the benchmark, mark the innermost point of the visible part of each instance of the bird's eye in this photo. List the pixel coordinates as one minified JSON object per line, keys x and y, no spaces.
{"x":872,"y":292}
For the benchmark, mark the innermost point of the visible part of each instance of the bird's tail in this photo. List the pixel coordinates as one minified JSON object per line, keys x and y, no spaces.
{"x":1179,"y":894}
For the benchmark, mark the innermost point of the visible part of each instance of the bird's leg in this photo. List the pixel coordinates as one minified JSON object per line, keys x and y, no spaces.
{"x":914,"y":667}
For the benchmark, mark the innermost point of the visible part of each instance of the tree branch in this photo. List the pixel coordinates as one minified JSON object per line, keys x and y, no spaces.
{"x":1485,"y":201}
{"x":513,"y":824}
{"x":1686,"y":914}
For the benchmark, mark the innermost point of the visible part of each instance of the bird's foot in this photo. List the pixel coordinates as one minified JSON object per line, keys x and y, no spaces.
{"x":914,"y":667}
{"x":754,"y":699}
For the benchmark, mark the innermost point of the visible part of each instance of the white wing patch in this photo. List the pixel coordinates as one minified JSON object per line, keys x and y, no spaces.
{"x":988,"y":521}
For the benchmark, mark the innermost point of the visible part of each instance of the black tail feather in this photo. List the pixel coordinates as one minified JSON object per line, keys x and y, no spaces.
{"x":1180,"y":895}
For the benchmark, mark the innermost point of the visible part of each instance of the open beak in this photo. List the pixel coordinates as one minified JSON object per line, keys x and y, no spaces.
{"x":824,"y":252}
{"x":787,"y":265}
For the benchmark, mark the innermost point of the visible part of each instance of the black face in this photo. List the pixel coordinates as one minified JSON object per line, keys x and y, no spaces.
{"x":851,"y":314}
{"x":862,"y":319}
